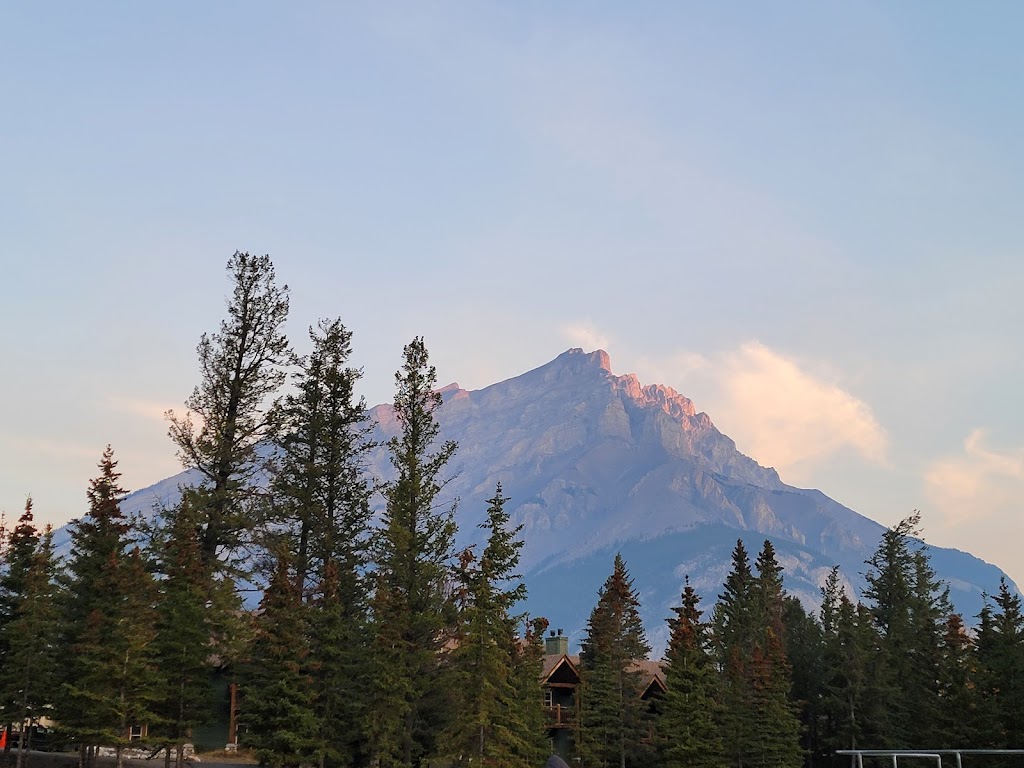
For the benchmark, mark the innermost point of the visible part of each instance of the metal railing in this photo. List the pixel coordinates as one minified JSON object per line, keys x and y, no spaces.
{"x":858,"y":755}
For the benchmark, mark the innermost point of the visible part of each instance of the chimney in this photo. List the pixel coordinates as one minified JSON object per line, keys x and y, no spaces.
{"x":556,"y":645}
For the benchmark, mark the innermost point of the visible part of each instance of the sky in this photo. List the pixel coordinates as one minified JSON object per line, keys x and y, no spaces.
{"x":804,"y":216}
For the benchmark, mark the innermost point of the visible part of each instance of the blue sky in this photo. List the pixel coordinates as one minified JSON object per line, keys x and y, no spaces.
{"x":803,"y":216}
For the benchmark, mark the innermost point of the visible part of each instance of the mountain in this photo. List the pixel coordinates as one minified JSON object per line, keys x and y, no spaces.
{"x":596,"y":463}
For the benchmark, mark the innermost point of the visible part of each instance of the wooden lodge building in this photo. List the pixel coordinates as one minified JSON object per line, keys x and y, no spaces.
{"x":560,"y":677}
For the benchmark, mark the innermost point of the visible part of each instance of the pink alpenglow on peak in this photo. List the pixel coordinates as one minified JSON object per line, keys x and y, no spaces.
{"x":603,"y":361}
{"x":452,"y":392}
{"x":666,"y":398}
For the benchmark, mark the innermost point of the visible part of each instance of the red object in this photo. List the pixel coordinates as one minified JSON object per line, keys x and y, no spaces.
{"x":3,"y":739}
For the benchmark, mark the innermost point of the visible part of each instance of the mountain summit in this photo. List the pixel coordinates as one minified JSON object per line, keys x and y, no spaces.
{"x":592,"y":460}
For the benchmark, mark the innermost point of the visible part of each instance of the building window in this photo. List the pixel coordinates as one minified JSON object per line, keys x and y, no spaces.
{"x":135,"y":733}
{"x":548,"y":699}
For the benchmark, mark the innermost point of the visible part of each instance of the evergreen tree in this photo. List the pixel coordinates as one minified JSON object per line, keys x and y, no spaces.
{"x":734,"y":632}
{"x":320,"y":486}
{"x":958,"y":688}
{"x":1000,"y":674}
{"x":777,"y":728}
{"x":278,"y":690}
{"x":412,"y":604}
{"x":526,"y":719}
{"x":804,"y":648}
{"x":322,"y":498}
{"x":30,"y":667}
{"x":612,"y":712}
{"x":760,"y":725}
{"x":492,"y":722}
{"x":910,"y":609}
{"x":686,"y":729}
{"x":183,"y":642}
{"x":116,"y":681}
{"x":339,"y":665}
{"x":241,"y":369}
{"x":19,"y":548}
{"x":930,"y":616}
{"x":843,"y":674}
{"x":867,"y":648}
{"x":889,"y":589}
{"x":111,"y":681}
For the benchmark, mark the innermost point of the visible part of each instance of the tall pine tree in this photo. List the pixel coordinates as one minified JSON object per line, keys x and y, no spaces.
{"x":183,"y":644}
{"x":241,"y":369}
{"x":111,"y":681}
{"x":613,"y":727}
{"x":777,"y":728}
{"x":338,"y":662}
{"x":734,"y":632}
{"x":686,"y":729}
{"x":843,"y":675}
{"x":1000,"y":660}
{"x":910,"y":609}
{"x":322,"y":497}
{"x":31,"y":664}
{"x":412,"y":605}
{"x":19,"y":548}
{"x":959,"y":699}
{"x":759,"y":721}
{"x":492,"y":722}
{"x":277,"y":688}
{"x":527,"y":719}
{"x":804,"y":651}
{"x":320,"y":488}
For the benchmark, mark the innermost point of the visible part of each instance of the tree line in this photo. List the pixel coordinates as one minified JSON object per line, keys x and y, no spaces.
{"x":376,"y":643}
{"x":763,"y":682}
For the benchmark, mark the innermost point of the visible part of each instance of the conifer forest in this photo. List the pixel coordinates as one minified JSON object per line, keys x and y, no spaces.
{"x":377,"y":644}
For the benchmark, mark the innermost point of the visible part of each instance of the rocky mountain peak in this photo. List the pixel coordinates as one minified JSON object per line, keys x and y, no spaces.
{"x":656,"y":395}
{"x":577,"y":359}
{"x":451,"y":392}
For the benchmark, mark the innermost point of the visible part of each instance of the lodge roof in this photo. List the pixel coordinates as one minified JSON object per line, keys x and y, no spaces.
{"x":553,"y":660}
{"x":652,"y":672}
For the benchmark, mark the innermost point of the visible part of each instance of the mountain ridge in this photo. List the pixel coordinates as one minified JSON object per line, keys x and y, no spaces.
{"x":595,"y":463}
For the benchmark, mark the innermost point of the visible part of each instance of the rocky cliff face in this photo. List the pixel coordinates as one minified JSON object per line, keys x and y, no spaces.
{"x":596,"y":463}
{"x":591,"y":459}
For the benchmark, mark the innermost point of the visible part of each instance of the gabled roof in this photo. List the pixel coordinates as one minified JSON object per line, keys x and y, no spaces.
{"x":554,"y":662}
{"x":653,"y":673}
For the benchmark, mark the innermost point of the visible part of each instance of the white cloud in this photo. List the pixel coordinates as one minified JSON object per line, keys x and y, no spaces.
{"x":793,"y":415}
{"x":979,"y":483}
{"x":586,"y":335}
{"x":782,"y":412}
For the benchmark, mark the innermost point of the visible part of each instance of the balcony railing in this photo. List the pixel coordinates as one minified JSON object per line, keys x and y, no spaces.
{"x":561,"y":716}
